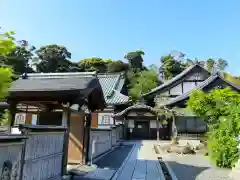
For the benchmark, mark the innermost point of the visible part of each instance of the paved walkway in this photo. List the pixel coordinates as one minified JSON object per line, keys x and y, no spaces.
{"x":142,"y":164}
{"x":197,"y":167}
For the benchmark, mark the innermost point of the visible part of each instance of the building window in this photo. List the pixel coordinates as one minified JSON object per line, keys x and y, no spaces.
{"x":20,"y":118}
{"x":105,"y":119}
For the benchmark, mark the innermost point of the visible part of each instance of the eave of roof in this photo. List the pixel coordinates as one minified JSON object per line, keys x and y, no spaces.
{"x":70,"y":87}
{"x":201,"y":86}
{"x":112,"y":84}
{"x":135,"y":107}
{"x":174,"y":79}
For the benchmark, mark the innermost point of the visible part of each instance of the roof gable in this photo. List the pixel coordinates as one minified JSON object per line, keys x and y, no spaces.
{"x":208,"y":84}
{"x":179,"y":77}
{"x":112,"y":84}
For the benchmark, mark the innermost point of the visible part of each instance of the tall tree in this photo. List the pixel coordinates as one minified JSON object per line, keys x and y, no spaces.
{"x":142,"y":82}
{"x":210,"y":64}
{"x":219,"y":64}
{"x":222,"y":64}
{"x":94,"y":64}
{"x":53,"y":58}
{"x":7,"y":44}
{"x":135,"y":60}
{"x":117,"y":66}
{"x":190,"y":62}
{"x":19,"y":58}
{"x":171,"y":66}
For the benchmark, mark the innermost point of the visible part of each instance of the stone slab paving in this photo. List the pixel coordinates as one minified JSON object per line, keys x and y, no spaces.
{"x":142,"y":164}
{"x":195,"y":167}
{"x":107,"y":165}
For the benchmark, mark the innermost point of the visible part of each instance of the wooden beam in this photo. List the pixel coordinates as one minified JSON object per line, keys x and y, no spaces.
{"x":11,"y":116}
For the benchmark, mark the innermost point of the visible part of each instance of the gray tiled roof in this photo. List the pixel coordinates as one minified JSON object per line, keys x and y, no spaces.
{"x":112,"y":84}
{"x":201,"y":86}
{"x":54,"y":82}
{"x":174,"y":79}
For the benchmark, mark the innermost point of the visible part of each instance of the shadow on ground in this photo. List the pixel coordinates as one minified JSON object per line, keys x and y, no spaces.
{"x":185,"y":171}
{"x":114,"y":159}
{"x":107,"y":165}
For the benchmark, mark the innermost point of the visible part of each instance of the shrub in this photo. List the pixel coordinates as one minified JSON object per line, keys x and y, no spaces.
{"x":220,"y":108}
{"x":222,"y":148}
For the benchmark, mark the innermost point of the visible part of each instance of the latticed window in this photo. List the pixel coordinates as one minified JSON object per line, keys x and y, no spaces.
{"x":106,"y":119}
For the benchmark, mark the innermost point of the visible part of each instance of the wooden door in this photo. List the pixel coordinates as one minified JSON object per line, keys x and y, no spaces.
{"x":141,"y":130}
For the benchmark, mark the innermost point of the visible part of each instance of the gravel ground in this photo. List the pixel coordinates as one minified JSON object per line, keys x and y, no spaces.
{"x":195,"y":167}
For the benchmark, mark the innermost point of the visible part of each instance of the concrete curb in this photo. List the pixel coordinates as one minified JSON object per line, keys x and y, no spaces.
{"x":172,"y":174}
{"x":171,"y":171}
{"x":117,"y":173}
{"x":107,"y":152}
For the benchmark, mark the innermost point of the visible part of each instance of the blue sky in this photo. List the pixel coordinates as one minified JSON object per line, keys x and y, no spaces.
{"x":111,"y":28}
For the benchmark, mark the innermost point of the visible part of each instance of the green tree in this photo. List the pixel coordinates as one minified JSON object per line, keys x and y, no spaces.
{"x":221,"y":110}
{"x":190,"y":62}
{"x":219,"y":64}
{"x":53,"y":58}
{"x":211,"y":106}
{"x":94,"y":64}
{"x":209,"y":64}
{"x":7,"y":43}
{"x":232,"y":79}
{"x":171,"y":66}
{"x":19,"y":58}
{"x":142,"y":82}
{"x":135,"y":60}
{"x":117,"y":66}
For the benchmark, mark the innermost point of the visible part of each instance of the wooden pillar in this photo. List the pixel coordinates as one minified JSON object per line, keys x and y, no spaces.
{"x":11,"y":115}
{"x":125,"y":128}
{"x":157,"y":128}
{"x":87,"y":133}
{"x":65,"y":123}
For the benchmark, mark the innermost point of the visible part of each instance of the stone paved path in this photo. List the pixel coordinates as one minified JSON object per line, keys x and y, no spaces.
{"x":195,"y":167}
{"x":142,"y":164}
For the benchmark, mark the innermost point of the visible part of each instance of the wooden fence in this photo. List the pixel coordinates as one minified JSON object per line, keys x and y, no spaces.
{"x":11,"y":151}
{"x":36,"y":154}
{"x":103,"y":140}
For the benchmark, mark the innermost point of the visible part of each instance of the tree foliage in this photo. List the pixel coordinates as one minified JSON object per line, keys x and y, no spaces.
{"x":232,"y":79}
{"x":53,"y":58}
{"x":142,"y":82}
{"x":135,"y":60}
{"x":221,"y":110}
{"x":117,"y":66}
{"x":19,"y":58}
{"x":7,"y":43}
{"x":219,"y":64}
{"x":171,"y":66}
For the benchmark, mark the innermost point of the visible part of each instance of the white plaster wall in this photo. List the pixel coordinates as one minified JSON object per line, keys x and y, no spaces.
{"x":153,"y":124}
{"x":177,"y":90}
{"x":188,"y":86}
